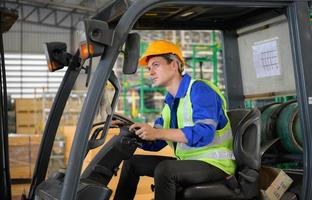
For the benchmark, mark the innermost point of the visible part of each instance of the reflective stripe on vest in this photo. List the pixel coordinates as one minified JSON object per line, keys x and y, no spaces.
{"x":213,"y":155}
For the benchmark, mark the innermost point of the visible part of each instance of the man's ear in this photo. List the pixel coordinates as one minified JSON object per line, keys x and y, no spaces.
{"x":175,"y":65}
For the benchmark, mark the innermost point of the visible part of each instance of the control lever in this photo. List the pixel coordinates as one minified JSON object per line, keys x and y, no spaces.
{"x":125,"y":131}
{"x":131,"y":141}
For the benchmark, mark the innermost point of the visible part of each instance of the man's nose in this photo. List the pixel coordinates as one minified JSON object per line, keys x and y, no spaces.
{"x":152,"y":71}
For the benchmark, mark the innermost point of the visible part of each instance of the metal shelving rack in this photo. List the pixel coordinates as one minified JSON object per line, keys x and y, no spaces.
{"x":211,"y":55}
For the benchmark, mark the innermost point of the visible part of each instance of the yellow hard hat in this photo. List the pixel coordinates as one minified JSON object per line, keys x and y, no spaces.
{"x":159,"y":47}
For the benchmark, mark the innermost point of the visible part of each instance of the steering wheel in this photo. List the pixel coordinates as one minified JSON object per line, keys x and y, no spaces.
{"x":118,"y":121}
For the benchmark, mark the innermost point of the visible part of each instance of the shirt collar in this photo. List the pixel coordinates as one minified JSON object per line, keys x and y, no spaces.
{"x":186,"y":79}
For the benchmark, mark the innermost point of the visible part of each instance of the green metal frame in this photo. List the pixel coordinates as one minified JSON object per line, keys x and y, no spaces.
{"x":215,"y":47}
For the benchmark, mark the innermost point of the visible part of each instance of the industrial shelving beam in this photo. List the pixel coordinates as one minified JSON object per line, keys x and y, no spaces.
{"x":52,"y":14}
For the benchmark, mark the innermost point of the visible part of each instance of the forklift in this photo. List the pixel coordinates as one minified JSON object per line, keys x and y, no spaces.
{"x":112,"y":31}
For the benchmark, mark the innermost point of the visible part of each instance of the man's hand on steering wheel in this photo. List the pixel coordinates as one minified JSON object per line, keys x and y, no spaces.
{"x":144,"y":131}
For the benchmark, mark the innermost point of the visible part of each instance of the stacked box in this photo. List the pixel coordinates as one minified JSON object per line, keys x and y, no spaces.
{"x":32,"y":114}
{"x":29,"y":114}
{"x":27,"y":111}
{"x":23,"y":151}
{"x":19,"y":154}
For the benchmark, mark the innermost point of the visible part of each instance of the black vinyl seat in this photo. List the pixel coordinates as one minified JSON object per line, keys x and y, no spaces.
{"x":245,"y":125}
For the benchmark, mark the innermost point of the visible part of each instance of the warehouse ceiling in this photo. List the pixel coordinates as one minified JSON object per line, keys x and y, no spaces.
{"x":56,"y":13}
{"x":79,"y":4}
{"x":85,"y":3}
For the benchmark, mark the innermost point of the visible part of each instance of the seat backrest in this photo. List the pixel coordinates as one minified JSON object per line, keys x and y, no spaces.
{"x":245,"y":125}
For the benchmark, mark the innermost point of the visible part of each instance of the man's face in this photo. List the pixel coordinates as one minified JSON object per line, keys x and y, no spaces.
{"x":161,"y":72}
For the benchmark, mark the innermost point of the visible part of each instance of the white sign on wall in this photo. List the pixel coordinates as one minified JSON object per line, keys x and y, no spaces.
{"x":265,"y":58}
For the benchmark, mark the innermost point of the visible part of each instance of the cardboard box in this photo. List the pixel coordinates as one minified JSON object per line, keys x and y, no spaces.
{"x":19,"y":156}
{"x":273,"y":183}
{"x":23,"y":151}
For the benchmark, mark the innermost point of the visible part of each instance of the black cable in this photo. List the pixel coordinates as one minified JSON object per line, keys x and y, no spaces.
{"x":89,"y":70}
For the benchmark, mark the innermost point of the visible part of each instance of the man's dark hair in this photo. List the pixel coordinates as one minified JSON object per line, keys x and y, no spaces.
{"x":169,"y":57}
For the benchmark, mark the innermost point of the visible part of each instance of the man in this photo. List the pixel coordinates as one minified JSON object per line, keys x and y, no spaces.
{"x":193,"y":122}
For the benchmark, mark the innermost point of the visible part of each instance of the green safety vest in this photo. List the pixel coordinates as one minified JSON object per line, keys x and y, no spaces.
{"x":219,"y":152}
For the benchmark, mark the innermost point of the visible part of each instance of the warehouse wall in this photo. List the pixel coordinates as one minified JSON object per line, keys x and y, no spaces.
{"x":27,"y":71}
{"x":29,"y":38}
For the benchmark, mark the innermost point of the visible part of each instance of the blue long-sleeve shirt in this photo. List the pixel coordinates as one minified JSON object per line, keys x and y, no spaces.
{"x":206,"y":104}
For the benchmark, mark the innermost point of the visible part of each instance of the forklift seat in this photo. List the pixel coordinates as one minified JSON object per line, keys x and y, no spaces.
{"x":245,"y":124}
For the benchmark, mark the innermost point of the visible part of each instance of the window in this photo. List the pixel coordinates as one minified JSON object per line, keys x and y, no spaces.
{"x":28,"y":76}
